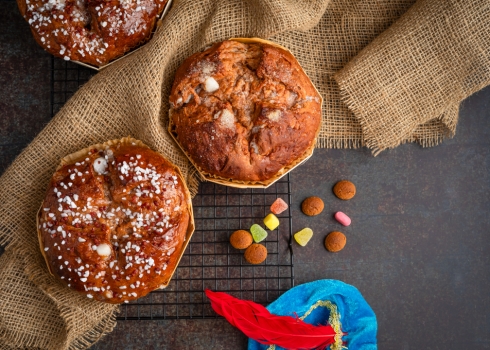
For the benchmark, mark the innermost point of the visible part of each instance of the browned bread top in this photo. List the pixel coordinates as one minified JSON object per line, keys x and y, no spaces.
{"x":91,"y":31}
{"x":114,"y":221}
{"x":244,"y":111}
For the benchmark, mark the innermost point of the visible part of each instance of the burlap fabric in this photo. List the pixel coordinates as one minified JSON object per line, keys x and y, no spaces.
{"x":130,"y":98}
{"x":407,"y":84}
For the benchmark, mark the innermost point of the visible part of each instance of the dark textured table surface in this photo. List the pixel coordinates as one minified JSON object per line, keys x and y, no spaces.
{"x":418,"y":248}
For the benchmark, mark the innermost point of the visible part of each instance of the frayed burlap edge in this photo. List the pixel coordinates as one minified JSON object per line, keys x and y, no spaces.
{"x":409,"y":89}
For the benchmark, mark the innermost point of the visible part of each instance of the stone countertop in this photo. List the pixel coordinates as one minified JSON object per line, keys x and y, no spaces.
{"x":418,"y":247}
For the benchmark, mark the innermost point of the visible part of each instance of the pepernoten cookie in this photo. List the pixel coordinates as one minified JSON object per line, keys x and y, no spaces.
{"x":335,"y":241}
{"x":312,"y":206}
{"x":241,"y":239}
{"x":256,"y":253}
{"x":344,"y":190}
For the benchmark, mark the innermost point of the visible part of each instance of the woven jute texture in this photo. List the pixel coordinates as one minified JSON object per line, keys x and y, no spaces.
{"x":407,"y":84}
{"x":404,"y":86}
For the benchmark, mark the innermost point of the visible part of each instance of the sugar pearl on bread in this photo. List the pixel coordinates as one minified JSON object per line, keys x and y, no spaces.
{"x":211,"y":85}
{"x":100,"y":165}
{"x":104,"y":250}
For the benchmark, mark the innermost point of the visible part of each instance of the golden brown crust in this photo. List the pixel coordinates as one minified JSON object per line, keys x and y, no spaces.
{"x":244,"y":111}
{"x":256,"y":253}
{"x":344,"y":190}
{"x":335,"y":241}
{"x":91,"y":31}
{"x":114,"y":221}
{"x":22,"y":7}
{"x":241,"y":239}
{"x":312,"y":206}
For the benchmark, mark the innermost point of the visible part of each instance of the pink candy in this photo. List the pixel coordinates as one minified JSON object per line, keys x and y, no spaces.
{"x":278,"y":206}
{"x":342,"y":218}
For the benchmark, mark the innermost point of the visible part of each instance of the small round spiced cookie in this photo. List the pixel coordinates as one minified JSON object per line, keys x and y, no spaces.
{"x":241,"y":239}
{"x":344,"y":190}
{"x":335,"y":241}
{"x":256,"y":253}
{"x":312,"y":206}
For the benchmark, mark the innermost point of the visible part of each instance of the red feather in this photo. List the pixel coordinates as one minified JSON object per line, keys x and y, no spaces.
{"x":258,"y":323}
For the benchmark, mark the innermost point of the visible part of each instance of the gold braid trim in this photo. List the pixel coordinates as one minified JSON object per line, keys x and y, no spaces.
{"x":333,"y":320}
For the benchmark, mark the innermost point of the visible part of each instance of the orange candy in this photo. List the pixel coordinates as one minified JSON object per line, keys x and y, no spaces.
{"x":278,"y":206}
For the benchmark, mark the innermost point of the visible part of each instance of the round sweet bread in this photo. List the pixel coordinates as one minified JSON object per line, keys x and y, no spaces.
{"x":114,"y":221}
{"x":244,"y":110}
{"x":91,"y":31}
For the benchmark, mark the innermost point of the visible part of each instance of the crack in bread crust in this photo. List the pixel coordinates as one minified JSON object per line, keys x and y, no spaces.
{"x":244,"y":111}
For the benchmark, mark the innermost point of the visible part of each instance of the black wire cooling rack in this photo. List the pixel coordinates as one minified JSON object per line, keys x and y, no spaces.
{"x":209,"y":260}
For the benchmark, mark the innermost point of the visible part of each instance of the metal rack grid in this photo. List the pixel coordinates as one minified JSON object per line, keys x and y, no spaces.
{"x":209,"y":260}
{"x":66,"y":79}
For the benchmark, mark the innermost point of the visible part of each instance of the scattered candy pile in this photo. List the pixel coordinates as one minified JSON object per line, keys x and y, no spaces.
{"x":256,"y":253}
{"x":311,"y":206}
{"x":335,"y":241}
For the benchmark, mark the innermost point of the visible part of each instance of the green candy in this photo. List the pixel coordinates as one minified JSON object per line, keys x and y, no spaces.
{"x":258,"y":233}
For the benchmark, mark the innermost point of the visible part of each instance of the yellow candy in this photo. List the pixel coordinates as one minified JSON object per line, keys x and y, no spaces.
{"x":303,"y":236}
{"x":271,"y":221}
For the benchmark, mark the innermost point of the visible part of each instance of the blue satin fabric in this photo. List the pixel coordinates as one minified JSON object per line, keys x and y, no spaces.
{"x":357,"y":317}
